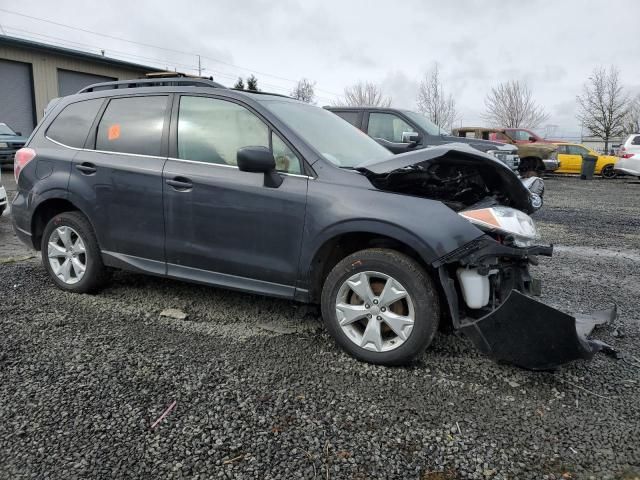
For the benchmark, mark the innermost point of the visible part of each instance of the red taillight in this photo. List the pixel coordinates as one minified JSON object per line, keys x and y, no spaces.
{"x":627,"y":155}
{"x":23,"y":156}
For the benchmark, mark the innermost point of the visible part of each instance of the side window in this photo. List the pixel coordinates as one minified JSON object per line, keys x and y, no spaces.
{"x":212,"y":130}
{"x":388,"y":127}
{"x":521,"y":135}
{"x":498,"y":137}
{"x":636,"y":140}
{"x":576,"y":150}
{"x":351,"y":117}
{"x":286,"y":160}
{"x":562,"y":149}
{"x":133,"y":125}
{"x":72,"y":125}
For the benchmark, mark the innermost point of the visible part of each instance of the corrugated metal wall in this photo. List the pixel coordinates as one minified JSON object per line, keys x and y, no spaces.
{"x":16,"y":96}
{"x":45,"y":65}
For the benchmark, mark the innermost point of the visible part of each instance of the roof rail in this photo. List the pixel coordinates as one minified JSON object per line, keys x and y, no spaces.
{"x":153,"y":82}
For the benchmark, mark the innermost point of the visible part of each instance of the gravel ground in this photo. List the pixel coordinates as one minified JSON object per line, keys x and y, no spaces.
{"x":261,"y":391}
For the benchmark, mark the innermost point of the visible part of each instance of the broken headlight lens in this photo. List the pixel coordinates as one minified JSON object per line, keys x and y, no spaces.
{"x":505,"y":220}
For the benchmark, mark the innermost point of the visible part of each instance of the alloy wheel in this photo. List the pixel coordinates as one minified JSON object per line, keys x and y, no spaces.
{"x":67,"y":255}
{"x":609,"y":172}
{"x":375,"y":311}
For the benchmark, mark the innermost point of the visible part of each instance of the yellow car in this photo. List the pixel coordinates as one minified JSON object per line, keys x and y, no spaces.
{"x":570,"y":157}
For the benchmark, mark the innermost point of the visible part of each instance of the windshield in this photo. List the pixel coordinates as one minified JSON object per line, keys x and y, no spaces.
{"x":337,"y":140}
{"x":5,"y":130}
{"x":426,"y":124}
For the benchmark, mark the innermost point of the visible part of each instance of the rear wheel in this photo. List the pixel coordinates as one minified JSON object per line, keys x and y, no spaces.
{"x":71,"y":255}
{"x":380,"y":306}
{"x":608,"y":172}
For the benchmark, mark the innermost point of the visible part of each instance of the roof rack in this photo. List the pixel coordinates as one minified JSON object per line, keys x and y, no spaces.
{"x":153,"y":82}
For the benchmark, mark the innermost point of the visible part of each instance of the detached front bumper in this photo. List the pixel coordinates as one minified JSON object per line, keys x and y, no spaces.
{"x":532,"y":335}
{"x":513,"y":327}
{"x":551,"y":165}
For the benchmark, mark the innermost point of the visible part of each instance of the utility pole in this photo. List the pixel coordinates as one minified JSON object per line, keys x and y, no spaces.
{"x":199,"y":67}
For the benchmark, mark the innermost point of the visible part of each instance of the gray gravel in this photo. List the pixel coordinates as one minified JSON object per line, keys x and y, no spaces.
{"x":261,"y":391}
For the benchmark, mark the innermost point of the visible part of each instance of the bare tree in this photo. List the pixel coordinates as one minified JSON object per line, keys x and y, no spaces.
{"x":304,"y":91}
{"x":433,"y":102}
{"x":632,"y":124}
{"x":603,"y":106}
{"x":511,"y":105}
{"x":364,"y":94}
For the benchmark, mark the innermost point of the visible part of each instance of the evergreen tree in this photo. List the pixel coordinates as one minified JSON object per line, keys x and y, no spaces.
{"x":239,"y":84}
{"x":252,"y":83}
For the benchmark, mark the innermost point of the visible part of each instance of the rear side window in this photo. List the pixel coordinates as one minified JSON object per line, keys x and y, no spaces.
{"x":351,"y":117}
{"x":72,"y":125}
{"x":636,"y":140}
{"x":133,"y":125}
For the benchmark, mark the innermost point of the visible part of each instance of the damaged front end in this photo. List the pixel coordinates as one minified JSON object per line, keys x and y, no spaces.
{"x":511,"y":326}
{"x":486,"y":281}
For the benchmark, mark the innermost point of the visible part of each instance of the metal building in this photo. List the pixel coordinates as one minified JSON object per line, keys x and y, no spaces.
{"x":32,"y":73}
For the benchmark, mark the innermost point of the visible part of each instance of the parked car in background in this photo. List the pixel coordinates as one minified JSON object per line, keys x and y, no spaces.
{"x":266,"y":194}
{"x":631,"y":146}
{"x":538,"y":157}
{"x":571,"y":155}
{"x":3,"y":197}
{"x":629,"y":164}
{"x":401,"y":131}
{"x":524,"y":135}
{"x":10,"y":143}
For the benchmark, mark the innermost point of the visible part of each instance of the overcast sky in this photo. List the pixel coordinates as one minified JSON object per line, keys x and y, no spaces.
{"x":552,"y":45}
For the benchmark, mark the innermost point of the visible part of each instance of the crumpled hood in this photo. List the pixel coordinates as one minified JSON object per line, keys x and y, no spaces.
{"x":495,"y":174}
{"x":482,"y":145}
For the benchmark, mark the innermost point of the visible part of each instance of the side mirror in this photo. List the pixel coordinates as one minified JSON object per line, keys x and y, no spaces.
{"x":259,"y":160}
{"x":413,"y":138}
{"x":532,"y":139}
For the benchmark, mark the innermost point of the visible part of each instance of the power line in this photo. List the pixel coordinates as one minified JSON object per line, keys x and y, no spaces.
{"x":57,"y":41}
{"x":157,"y":47}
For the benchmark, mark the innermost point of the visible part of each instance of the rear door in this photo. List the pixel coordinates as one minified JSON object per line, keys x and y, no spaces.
{"x":223,"y":226}
{"x":117,"y":179}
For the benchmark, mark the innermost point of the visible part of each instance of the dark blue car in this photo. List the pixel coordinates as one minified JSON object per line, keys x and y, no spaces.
{"x":10,"y":143}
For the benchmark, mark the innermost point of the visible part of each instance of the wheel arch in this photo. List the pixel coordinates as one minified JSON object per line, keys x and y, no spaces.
{"x":339,"y":245}
{"x":45,"y":211}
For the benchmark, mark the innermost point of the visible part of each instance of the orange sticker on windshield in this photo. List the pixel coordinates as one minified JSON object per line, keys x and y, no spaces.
{"x":114,"y":132}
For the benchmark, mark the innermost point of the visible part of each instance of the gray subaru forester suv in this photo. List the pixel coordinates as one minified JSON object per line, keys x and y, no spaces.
{"x":186,"y":179}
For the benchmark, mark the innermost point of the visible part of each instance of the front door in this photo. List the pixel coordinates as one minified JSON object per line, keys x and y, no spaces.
{"x":118,"y":179}
{"x":224,"y":226}
{"x":390,"y":131}
{"x":570,"y":157}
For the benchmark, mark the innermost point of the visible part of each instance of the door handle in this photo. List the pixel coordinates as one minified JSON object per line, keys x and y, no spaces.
{"x":87,"y":168}
{"x":181,"y":184}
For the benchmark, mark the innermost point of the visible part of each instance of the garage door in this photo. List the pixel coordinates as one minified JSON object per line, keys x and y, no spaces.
{"x":16,"y":96}
{"x":70,"y":82}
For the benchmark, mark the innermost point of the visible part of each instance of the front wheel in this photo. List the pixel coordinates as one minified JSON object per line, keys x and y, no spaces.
{"x":380,"y":306}
{"x":71,"y":255}
{"x":608,"y":172}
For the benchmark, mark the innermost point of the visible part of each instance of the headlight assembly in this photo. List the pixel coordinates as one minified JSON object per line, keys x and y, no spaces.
{"x":504,"y":220}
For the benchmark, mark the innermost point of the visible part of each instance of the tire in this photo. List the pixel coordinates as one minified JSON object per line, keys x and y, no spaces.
{"x":608,"y":172}
{"x":421,"y":304}
{"x":531,"y":166}
{"x":64,"y":230}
